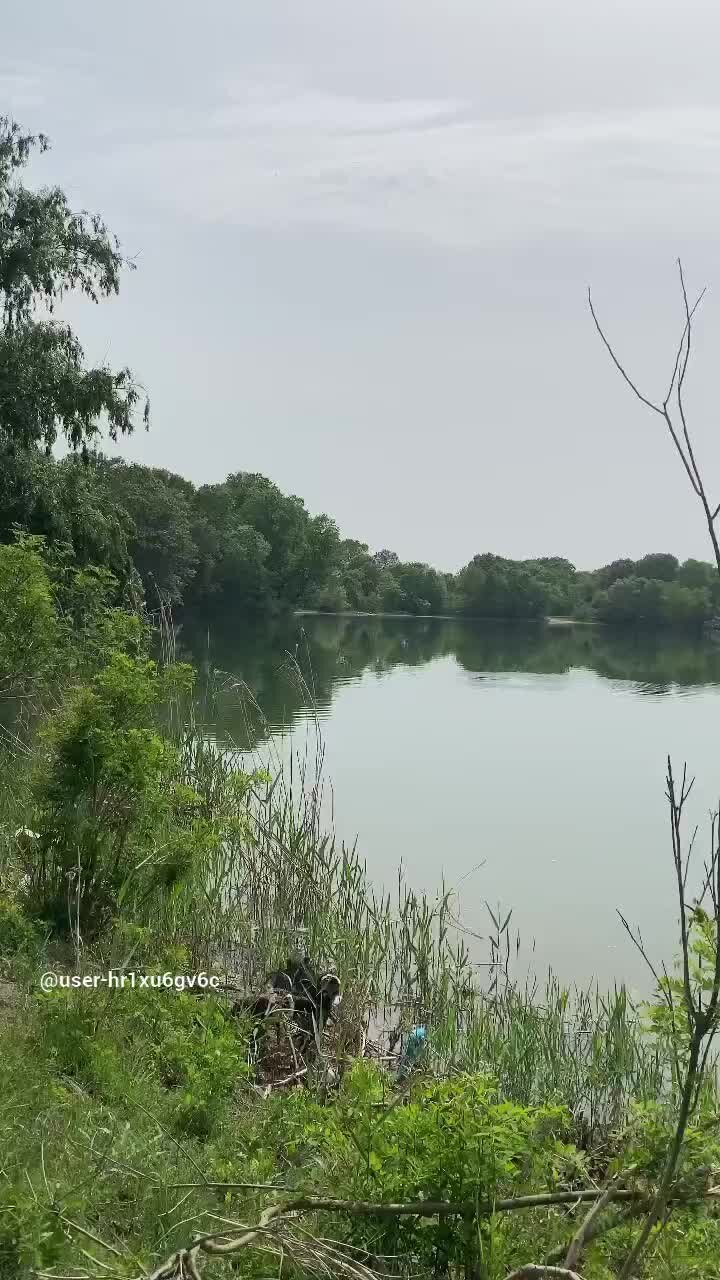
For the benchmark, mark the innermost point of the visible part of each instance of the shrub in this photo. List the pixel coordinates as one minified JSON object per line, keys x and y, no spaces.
{"x":114,"y":822}
{"x":28,"y":621}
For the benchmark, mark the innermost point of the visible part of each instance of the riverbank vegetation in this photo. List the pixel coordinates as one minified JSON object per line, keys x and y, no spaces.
{"x":136,"y":1121}
{"x":142,"y":1134}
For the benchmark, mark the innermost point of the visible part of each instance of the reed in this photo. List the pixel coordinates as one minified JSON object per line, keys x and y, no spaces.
{"x":277,"y":878}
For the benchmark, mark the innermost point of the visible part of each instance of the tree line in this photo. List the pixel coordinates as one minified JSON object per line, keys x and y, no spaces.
{"x":243,"y":543}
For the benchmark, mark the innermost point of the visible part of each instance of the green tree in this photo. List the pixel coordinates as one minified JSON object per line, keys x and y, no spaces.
{"x":491,"y":587}
{"x":301,"y":550}
{"x":697,"y":573}
{"x":66,"y":503}
{"x":160,"y":514}
{"x":686,"y":604}
{"x":613,"y":572}
{"x":46,"y":249}
{"x":657,"y":565}
{"x":361,"y":575}
{"x":423,"y":589}
{"x":558,"y":580}
{"x":232,"y":555}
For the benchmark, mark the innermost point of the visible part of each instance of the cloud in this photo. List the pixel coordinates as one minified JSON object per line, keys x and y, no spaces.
{"x":20,"y":91}
{"x":291,"y":157}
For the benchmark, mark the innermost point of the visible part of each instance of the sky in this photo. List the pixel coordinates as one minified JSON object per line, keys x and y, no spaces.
{"x":364,"y":235}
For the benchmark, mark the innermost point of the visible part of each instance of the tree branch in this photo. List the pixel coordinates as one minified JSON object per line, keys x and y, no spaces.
{"x":662,"y":410}
{"x":539,"y":1272}
{"x":222,"y":1243}
{"x":585,"y":1230}
{"x":655,"y":408}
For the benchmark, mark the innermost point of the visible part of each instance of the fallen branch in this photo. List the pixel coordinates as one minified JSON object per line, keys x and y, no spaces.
{"x":585,"y":1230}
{"x":599,"y":1227}
{"x":184,"y":1261}
{"x":536,"y":1271}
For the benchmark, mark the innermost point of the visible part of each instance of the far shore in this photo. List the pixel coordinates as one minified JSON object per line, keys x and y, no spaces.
{"x":444,"y":617}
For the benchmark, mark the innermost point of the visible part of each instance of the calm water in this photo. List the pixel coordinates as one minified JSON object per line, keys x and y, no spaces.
{"x":536,"y":752}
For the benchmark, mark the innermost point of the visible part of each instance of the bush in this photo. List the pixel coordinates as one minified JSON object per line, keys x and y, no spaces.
{"x":127,"y":1043}
{"x":29,"y":626}
{"x":18,"y":935}
{"x":115,"y":823}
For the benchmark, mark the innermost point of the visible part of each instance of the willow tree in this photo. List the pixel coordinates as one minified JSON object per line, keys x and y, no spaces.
{"x":47,"y":390}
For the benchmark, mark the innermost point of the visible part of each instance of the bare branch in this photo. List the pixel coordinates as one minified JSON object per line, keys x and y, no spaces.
{"x":539,"y":1272}
{"x":584,"y":1231}
{"x":676,"y":808}
{"x":656,"y":408}
{"x":681,"y":378}
{"x":662,"y":410}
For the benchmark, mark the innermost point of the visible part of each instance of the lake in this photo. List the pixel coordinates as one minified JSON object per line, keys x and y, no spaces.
{"x":523,"y":763}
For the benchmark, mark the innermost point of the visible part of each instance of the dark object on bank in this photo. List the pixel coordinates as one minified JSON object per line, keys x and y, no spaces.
{"x":278,"y":994}
{"x":295,"y":1000}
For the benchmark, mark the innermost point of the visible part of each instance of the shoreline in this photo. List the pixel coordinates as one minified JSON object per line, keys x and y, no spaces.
{"x":441,"y":617}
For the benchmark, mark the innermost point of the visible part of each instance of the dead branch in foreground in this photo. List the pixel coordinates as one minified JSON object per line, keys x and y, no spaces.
{"x":539,"y":1272}
{"x":274,"y":1232}
{"x":678,"y":429}
{"x":585,"y":1231}
{"x":701,"y":1008}
{"x":702,"y":1015}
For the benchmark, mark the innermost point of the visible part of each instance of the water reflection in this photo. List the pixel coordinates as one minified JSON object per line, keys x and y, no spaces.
{"x":288,"y":665}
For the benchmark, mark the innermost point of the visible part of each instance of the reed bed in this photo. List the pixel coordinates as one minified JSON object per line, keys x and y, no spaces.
{"x":278,"y":879}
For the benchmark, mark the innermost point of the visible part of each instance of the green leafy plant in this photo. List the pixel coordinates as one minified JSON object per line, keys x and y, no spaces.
{"x":114,"y":822}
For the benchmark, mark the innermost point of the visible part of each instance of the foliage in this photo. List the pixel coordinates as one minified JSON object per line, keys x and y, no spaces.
{"x":280,"y":550}
{"x":136,"y":1091}
{"x":29,"y":625}
{"x":69,"y":506}
{"x":112,"y":820}
{"x":490,"y":587}
{"x":46,"y":250}
{"x":19,"y":936}
{"x":160,"y":538}
{"x":57,"y":620}
{"x":654,"y":600}
{"x":146,"y":1037}
{"x":244,"y":543}
{"x":232,"y":554}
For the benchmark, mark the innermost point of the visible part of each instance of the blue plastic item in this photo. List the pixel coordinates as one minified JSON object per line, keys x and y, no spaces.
{"x":415,"y":1046}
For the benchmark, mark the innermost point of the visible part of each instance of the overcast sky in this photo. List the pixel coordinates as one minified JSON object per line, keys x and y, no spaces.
{"x":364,"y":234}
